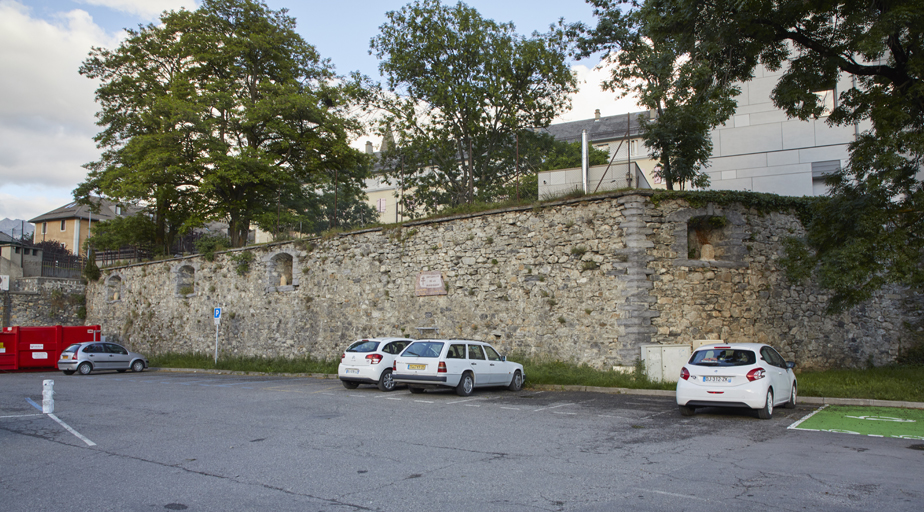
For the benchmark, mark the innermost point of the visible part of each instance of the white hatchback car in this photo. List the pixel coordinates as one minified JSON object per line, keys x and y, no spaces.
{"x":736,"y":375}
{"x":459,"y":364}
{"x":370,"y":361}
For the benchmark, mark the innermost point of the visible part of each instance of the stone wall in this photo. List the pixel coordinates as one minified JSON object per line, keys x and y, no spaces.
{"x":588,"y":280}
{"x":42,"y":301}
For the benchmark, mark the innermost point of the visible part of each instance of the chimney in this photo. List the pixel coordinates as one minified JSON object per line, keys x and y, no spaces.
{"x":597,"y":115}
{"x":369,"y":147}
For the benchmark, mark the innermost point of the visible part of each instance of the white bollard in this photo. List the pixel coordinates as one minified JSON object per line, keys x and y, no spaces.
{"x":48,"y":396}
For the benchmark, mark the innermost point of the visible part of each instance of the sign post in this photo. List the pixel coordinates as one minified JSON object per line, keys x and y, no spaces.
{"x":216,"y":314}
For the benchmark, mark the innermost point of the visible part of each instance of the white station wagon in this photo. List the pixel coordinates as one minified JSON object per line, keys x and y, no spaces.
{"x":459,"y":364}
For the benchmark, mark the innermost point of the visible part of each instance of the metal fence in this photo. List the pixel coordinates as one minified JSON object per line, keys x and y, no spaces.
{"x":66,"y":265}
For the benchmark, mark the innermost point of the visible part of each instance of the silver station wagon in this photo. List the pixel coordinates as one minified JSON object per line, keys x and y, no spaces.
{"x":455,"y":364}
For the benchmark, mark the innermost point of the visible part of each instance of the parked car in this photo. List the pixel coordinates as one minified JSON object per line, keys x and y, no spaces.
{"x":750,"y":375}
{"x":96,"y":355}
{"x":455,"y":364}
{"x":369,"y":361}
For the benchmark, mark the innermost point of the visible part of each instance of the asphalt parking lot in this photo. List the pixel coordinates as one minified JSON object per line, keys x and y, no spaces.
{"x":183,"y":441}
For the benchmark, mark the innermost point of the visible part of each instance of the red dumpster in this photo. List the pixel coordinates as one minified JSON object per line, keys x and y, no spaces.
{"x":40,"y":347}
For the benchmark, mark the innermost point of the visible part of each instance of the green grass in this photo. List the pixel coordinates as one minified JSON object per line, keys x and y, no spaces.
{"x":904,"y":383}
{"x":543,"y":371}
{"x":245,"y":364}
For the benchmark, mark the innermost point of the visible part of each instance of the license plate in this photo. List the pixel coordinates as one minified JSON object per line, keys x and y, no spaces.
{"x":416,"y":367}
{"x":65,"y":357}
{"x":725,"y":380}
{"x":352,"y":371}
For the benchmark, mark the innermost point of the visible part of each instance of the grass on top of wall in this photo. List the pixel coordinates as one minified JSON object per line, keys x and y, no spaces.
{"x":904,"y":383}
{"x":244,"y":364}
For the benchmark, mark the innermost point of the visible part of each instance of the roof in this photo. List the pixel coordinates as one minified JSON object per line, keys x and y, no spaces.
{"x":82,"y":211}
{"x":604,"y":128}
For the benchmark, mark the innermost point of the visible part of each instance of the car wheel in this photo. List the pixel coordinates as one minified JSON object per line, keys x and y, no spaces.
{"x":349,"y":384}
{"x":386,"y":382}
{"x":466,"y":384}
{"x":414,"y":390}
{"x":791,"y":404}
{"x":85,"y":368}
{"x":767,"y":412}
{"x":516,"y":383}
{"x":687,"y":410}
{"x":68,"y":372}
{"x":137,"y":366}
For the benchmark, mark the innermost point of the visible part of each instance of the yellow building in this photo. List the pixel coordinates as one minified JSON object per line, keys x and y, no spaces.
{"x":71,"y":225}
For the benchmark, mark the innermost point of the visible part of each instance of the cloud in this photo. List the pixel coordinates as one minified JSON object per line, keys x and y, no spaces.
{"x":148,"y":9}
{"x":591,"y":96}
{"x":47,"y":109}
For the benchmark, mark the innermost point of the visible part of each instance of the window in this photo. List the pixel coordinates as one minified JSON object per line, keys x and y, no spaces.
{"x":44,"y":227}
{"x":63,"y":224}
{"x":118,"y":210}
{"x":722,"y":357}
{"x":492,"y":354}
{"x":826,"y":99}
{"x":475,"y":352}
{"x":382,"y":203}
{"x":633,"y":147}
{"x":17,"y":250}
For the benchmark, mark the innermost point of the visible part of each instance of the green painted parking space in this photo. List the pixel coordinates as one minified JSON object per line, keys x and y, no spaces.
{"x":867,"y":421}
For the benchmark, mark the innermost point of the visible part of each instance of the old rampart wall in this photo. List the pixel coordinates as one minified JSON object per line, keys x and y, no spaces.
{"x":588,"y":280}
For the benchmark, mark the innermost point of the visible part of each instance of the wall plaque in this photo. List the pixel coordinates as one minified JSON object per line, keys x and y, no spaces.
{"x":430,"y":283}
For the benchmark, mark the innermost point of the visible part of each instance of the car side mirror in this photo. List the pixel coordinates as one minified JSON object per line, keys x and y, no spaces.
{"x":503,"y":358}
{"x":790,"y":364}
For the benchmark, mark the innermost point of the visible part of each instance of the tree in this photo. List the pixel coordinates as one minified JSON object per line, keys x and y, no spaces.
{"x":668,"y":79}
{"x":461,"y":88}
{"x":212,"y":113}
{"x":868,"y":232}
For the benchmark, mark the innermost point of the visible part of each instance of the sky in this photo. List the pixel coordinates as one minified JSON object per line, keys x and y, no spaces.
{"x":47,"y":109}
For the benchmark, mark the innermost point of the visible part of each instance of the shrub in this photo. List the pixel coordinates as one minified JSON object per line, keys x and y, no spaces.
{"x":208,"y":245}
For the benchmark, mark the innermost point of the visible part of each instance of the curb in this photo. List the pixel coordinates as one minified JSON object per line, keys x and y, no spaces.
{"x":808,"y":400}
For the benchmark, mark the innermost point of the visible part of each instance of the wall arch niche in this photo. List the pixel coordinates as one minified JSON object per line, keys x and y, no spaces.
{"x":185,"y":281}
{"x":281,"y":272}
{"x":705,"y":235}
{"x":709,"y":237}
{"x":114,"y":288}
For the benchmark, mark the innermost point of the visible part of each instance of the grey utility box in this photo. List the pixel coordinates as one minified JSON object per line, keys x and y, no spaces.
{"x":663,"y":362}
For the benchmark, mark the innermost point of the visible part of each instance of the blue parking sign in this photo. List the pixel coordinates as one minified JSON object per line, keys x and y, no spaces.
{"x":217,"y":314}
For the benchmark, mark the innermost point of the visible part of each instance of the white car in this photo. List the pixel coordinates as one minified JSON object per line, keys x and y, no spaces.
{"x":455,"y":364}
{"x":736,"y":375}
{"x":370,"y":361}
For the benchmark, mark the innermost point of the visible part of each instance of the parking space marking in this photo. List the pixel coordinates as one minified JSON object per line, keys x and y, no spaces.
{"x":20,"y":416}
{"x":391,"y":398}
{"x":674,"y":494}
{"x":72,"y":431}
{"x":193,"y":382}
{"x":552,"y":407}
{"x":472,"y":405}
{"x":568,"y":413}
{"x":511,"y":408}
{"x":423,"y":401}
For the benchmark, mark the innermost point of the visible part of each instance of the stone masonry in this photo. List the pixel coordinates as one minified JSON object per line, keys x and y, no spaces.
{"x":588,"y":280}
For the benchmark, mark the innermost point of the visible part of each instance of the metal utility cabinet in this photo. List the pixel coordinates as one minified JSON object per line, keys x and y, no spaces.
{"x":663,"y":362}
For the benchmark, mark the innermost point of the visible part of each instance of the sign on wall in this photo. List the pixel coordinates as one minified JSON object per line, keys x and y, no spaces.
{"x":430,"y":283}
{"x":5,"y":283}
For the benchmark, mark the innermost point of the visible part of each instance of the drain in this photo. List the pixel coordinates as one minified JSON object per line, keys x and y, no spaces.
{"x":175,"y":506}
{"x":917,"y":447}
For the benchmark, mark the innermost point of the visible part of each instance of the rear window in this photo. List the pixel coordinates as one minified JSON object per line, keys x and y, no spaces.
{"x":363,"y":346}
{"x":723,"y":357}
{"x":423,"y":349}
{"x":72,"y":348}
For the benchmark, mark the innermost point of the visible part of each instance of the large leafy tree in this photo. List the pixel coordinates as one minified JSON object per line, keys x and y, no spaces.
{"x":667,"y":78}
{"x":460,"y":88}
{"x":867,"y":233}
{"x":220,"y":110}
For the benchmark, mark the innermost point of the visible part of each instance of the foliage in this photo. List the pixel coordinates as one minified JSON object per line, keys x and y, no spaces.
{"x":242,"y":261}
{"x":682,"y":90}
{"x":567,"y":155}
{"x":547,"y":371}
{"x":207,"y":245}
{"x":868,"y":234}
{"x":895,"y":382}
{"x":138,"y":231}
{"x":91,"y":271}
{"x":461,"y":88}
{"x":218,"y":114}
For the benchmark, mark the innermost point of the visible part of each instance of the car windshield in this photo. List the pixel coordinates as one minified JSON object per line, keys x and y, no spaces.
{"x":363,"y":346}
{"x":423,"y":349}
{"x":723,"y":357}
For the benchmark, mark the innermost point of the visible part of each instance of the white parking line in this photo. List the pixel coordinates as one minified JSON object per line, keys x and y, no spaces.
{"x":472,"y":405}
{"x":552,"y":407}
{"x":423,"y":401}
{"x":511,"y":408}
{"x":72,"y":431}
{"x":19,"y":416}
{"x":391,"y":398}
{"x":568,"y":413}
